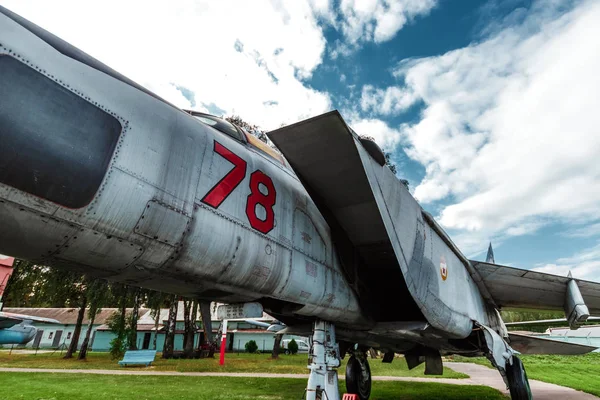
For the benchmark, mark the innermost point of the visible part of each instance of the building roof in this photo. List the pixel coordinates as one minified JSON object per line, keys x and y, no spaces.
{"x":146,"y":318}
{"x":68,"y":316}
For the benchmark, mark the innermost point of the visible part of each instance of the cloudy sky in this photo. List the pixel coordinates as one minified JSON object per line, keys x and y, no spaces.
{"x":491,"y":108}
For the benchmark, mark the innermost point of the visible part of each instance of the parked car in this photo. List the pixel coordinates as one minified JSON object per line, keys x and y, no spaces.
{"x":303,"y":347}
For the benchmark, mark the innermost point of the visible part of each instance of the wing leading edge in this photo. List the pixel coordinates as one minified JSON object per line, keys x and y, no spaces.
{"x":515,"y":287}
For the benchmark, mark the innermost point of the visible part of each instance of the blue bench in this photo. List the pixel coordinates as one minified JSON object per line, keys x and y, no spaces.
{"x":138,"y":357}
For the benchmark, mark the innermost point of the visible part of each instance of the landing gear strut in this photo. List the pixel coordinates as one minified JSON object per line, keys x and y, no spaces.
{"x":358,"y":375}
{"x":323,"y":363}
{"x":518,"y":384}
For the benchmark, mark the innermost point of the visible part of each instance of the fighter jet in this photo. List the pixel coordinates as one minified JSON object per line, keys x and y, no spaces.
{"x":100,"y":175}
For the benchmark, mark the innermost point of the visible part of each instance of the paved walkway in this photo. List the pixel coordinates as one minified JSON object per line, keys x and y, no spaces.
{"x":481,"y":375}
{"x":478,"y":375}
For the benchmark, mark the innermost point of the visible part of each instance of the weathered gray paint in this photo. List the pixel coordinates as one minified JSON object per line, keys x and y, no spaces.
{"x":348,"y":218}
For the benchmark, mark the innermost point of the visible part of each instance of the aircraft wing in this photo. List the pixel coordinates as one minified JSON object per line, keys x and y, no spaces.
{"x":514,"y":287}
{"x":547,"y":322}
{"x":9,"y":319}
{"x":526,"y":344}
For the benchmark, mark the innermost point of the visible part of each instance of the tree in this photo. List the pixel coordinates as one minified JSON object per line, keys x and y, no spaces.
{"x":77,"y":331}
{"x":25,"y":286}
{"x":155,"y":300}
{"x":207,"y":327}
{"x":251,"y":346}
{"x":190,"y":311}
{"x":170,"y":331}
{"x":118,"y":322}
{"x":34,"y":285}
{"x":390,"y":164}
{"x":293,"y":347}
{"x":96,"y":293}
{"x":276,"y":346}
{"x":252,"y":129}
{"x":137,"y":299}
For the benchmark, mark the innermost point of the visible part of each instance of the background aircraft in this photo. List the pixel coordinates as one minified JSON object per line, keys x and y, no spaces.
{"x":102,"y":176}
{"x":17,"y":328}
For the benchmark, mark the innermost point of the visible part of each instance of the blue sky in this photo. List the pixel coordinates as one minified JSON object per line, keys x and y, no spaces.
{"x":489,"y":107}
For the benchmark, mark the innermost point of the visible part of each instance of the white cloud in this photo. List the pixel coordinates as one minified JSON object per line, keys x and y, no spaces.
{"x":193,"y":44}
{"x":379,"y":20}
{"x":386,"y":137}
{"x":583,"y":265}
{"x":391,"y":100}
{"x":509,"y":132}
{"x":584,"y":231}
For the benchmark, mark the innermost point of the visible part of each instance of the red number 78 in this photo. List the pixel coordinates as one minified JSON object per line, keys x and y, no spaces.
{"x":217,"y":195}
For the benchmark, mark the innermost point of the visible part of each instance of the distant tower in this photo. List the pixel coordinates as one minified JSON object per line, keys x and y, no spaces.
{"x":490,"y":255}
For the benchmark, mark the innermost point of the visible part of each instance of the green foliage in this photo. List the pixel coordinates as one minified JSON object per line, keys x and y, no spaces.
{"x":392,"y":166}
{"x":121,"y":327}
{"x":251,"y":347}
{"x":520,"y":315}
{"x":25,"y":286}
{"x":293,"y":346}
{"x":118,"y":346}
{"x":252,"y":129}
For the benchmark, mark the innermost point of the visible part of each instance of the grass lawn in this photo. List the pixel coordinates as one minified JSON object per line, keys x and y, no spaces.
{"x":233,"y":363}
{"x":577,"y":372}
{"x":74,"y":386}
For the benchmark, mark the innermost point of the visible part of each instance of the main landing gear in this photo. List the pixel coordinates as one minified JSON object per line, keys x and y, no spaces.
{"x":518,"y":384}
{"x":358,"y":375}
{"x":324,"y":361}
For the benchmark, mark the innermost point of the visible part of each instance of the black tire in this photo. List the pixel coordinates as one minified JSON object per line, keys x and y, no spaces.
{"x":358,"y":378}
{"x":287,"y":352}
{"x":518,"y":384}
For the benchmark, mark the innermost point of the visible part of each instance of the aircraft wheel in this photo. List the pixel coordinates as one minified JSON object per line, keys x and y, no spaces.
{"x":358,"y":377}
{"x":518,"y":383}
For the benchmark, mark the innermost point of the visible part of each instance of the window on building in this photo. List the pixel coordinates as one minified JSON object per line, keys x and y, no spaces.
{"x":50,"y":335}
{"x":69,"y":335}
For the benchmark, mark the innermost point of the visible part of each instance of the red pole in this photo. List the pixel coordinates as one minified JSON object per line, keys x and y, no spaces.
{"x":223,"y":343}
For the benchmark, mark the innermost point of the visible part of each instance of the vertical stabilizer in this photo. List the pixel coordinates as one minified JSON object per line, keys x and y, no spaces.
{"x":490,"y":255}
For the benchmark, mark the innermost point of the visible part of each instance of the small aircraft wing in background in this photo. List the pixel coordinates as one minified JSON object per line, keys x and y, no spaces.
{"x":8,"y":320}
{"x":526,"y":344}
{"x":275,"y":326}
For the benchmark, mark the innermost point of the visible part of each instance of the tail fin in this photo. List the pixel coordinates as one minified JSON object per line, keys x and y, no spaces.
{"x":490,"y":255}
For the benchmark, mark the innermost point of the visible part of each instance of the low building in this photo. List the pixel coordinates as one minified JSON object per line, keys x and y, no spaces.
{"x":59,"y":336}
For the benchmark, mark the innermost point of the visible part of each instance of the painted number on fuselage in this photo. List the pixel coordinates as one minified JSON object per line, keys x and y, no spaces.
{"x":217,"y":195}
